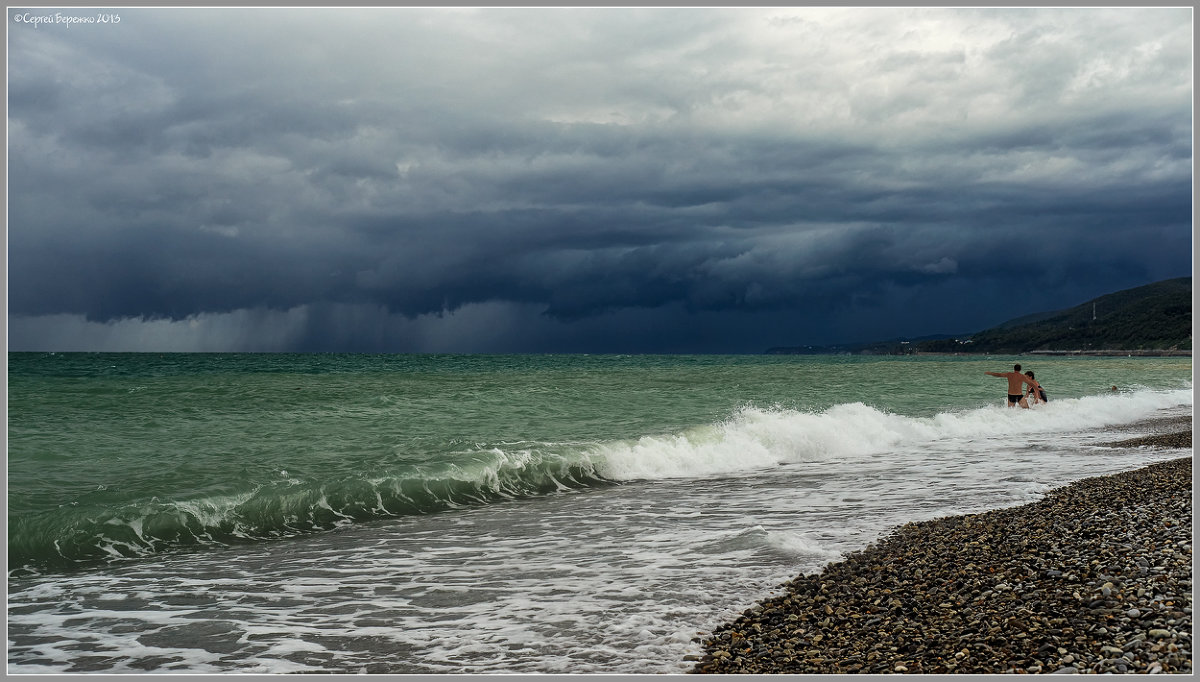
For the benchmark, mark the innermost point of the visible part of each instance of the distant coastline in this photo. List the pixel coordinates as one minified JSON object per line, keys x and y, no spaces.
{"x":1154,"y":320}
{"x":1136,"y":353}
{"x":1102,"y":352}
{"x":1169,"y":353}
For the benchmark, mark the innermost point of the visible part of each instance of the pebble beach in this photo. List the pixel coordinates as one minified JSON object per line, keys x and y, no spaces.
{"x":1096,"y":577}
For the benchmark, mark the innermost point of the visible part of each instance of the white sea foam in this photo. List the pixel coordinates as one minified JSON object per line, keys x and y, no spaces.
{"x":618,"y":579}
{"x":798,"y":545}
{"x":757,"y":438}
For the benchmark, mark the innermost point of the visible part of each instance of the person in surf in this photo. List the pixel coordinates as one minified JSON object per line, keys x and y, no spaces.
{"x":1016,"y":388}
{"x":1038,"y":393}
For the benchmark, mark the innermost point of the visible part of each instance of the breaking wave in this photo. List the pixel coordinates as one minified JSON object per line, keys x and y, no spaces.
{"x":751,"y":440}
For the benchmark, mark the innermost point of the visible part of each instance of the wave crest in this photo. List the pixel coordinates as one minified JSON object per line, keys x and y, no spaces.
{"x":756,"y":438}
{"x":751,"y":440}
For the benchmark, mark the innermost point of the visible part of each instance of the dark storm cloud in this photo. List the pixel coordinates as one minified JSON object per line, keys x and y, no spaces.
{"x":565,"y":179}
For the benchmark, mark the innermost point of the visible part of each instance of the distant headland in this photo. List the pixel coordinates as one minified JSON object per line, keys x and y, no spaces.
{"x":1150,"y":320}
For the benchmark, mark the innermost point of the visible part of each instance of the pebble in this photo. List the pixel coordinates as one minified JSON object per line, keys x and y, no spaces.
{"x":1094,"y":578}
{"x":1181,"y":439}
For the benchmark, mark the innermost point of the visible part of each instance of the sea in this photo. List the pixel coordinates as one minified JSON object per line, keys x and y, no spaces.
{"x":488,"y":514}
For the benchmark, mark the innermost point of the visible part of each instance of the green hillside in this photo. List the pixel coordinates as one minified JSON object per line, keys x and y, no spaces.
{"x":1153,"y":317}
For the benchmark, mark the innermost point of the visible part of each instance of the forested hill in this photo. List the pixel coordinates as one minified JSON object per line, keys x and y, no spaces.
{"x":1156,"y":318}
{"x":1152,"y":317}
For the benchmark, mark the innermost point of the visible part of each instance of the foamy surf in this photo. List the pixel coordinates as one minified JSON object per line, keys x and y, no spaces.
{"x":534,"y":515}
{"x":757,"y":438}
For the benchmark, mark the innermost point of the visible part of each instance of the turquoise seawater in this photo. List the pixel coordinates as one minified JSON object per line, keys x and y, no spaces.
{"x":127,"y":473}
{"x":115,"y":455}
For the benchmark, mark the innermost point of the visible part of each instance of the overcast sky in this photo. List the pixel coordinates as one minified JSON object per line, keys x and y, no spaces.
{"x":584,"y":180}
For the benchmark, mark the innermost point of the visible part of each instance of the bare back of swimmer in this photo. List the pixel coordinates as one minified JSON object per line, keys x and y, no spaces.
{"x":1016,"y":388}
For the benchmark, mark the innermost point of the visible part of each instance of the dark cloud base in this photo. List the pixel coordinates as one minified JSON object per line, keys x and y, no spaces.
{"x":657,"y":181}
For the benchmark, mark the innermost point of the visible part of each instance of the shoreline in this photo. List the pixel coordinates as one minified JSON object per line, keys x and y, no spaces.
{"x":1162,"y":432}
{"x":1093,"y":578}
{"x":1134,"y":353}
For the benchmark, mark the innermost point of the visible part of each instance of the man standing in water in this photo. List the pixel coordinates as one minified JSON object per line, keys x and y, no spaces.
{"x":1016,"y":391}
